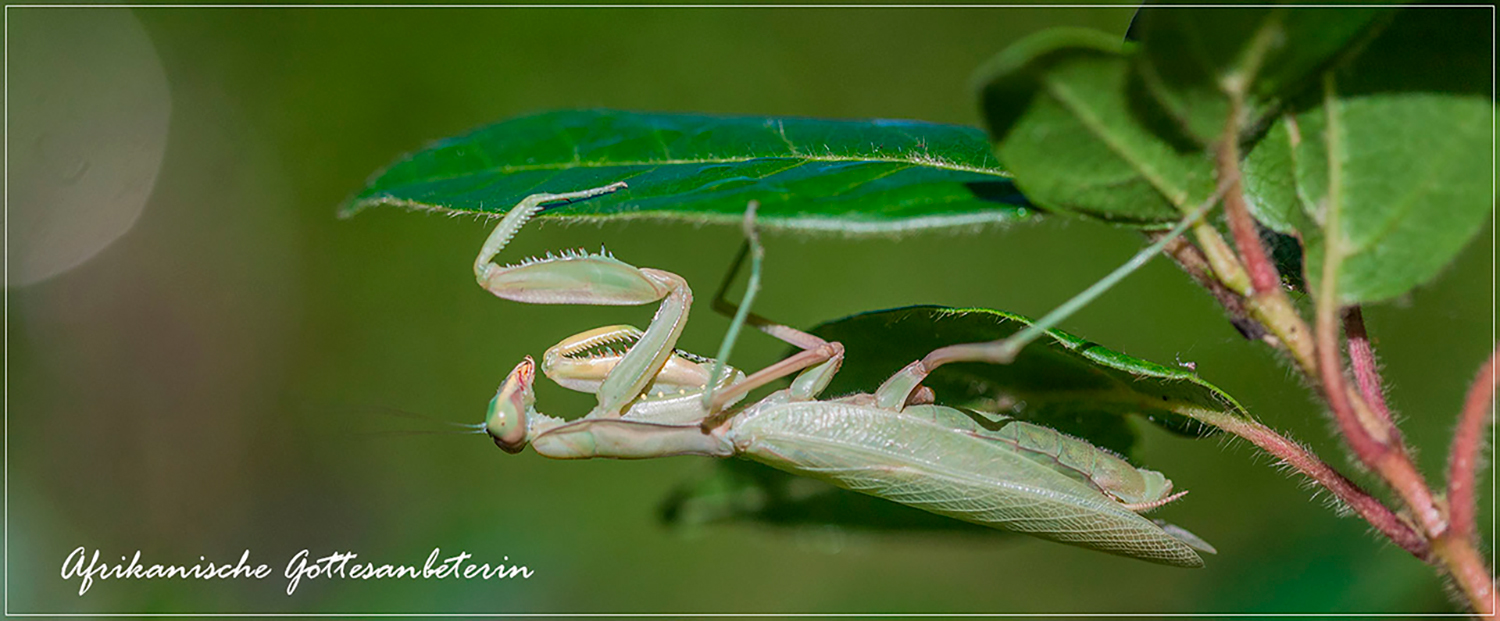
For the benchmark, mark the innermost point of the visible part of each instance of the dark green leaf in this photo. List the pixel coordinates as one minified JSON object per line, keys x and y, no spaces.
{"x":1066,"y":120}
{"x":1392,"y":158}
{"x":1427,"y":50}
{"x":1286,"y":253}
{"x":743,"y":491}
{"x":1190,"y":57}
{"x":1061,"y":381}
{"x":875,"y":176}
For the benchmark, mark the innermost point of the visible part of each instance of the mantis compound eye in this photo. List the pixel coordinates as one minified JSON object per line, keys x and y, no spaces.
{"x":506,"y":419}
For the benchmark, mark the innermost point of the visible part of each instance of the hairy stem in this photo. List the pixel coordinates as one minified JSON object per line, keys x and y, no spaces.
{"x":1458,"y":546}
{"x":1221,"y":259}
{"x":1463,"y":460}
{"x":1361,"y":414}
{"x":1287,"y":329}
{"x":1467,"y":566}
{"x":1264,"y":296}
{"x":1374,"y":443}
{"x":1372,"y":437}
{"x":1307,"y":463}
{"x":1264,"y":279}
{"x":1366,"y":368}
{"x":1373,"y":440}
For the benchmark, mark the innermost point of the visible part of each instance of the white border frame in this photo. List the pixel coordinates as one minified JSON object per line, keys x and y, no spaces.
{"x":6,"y":566}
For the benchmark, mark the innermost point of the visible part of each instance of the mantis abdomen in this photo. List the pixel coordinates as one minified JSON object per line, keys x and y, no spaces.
{"x":1101,"y":469}
{"x":1098,"y":468}
{"x":914,"y":459}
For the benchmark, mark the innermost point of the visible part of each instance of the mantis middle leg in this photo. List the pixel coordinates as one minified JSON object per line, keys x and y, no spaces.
{"x":819,"y":358}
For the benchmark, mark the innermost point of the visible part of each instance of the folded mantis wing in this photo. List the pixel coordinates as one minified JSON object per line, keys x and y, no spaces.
{"x":918,"y":461}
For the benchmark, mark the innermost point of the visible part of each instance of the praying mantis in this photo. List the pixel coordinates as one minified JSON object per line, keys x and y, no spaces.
{"x":894,"y":443}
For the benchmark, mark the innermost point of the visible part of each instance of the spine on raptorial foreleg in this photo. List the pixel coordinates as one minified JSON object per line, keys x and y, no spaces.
{"x":584,"y":361}
{"x":492,"y":276}
{"x":516,"y":218}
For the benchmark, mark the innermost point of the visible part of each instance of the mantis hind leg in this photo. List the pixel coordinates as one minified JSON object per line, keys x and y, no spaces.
{"x":896,"y":390}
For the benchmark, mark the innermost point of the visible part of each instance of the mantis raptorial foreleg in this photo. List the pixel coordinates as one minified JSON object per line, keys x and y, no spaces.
{"x":656,"y":424}
{"x":516,"y":218}
{"x":636,"y":374}
{"x":591,"y":278}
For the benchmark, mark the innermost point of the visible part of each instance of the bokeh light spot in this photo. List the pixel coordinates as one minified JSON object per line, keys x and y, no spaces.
{"x":89,"y":111}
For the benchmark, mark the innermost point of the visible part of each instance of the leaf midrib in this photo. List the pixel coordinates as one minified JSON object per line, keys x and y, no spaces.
{"x":802,"y":159}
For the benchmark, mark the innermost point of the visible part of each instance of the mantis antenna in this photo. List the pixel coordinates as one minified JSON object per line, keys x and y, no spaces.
{"x":752,"y":286}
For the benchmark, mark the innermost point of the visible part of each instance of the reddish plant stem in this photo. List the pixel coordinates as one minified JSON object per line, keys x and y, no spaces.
{"x":1368,"y":430}
{"x":1360,"y":437}
{"x":1366,"y":368}
{"x":1295,"y":455}
{"x":1463,"y":460}
{"x":1371,"y":442}
{"x":1265,"y":299}
{"x":1264,"y":279}
{"x":1469,"y":569}
{"x":1371,"y":436}
{"x":1456,"y":547}
{"x":1269,"y":301}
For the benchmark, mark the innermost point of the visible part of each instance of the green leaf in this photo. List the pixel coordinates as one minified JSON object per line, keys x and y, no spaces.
{"x":1413,"y":188}
{"x":1270,"y":182}
{"x":1079,"y":137}
{"x":875,"y":176}
{"x":1061,"y":381}
{"x":1191,"y":57}
{"x":1389,"y":167}
{"x":743,"y":491}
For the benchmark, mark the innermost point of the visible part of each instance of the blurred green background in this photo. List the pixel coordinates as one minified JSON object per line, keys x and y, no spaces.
{"x":201,"y":385}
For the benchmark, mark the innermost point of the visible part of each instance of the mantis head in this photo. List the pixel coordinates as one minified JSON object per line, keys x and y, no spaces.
{"x":506,"y":420}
